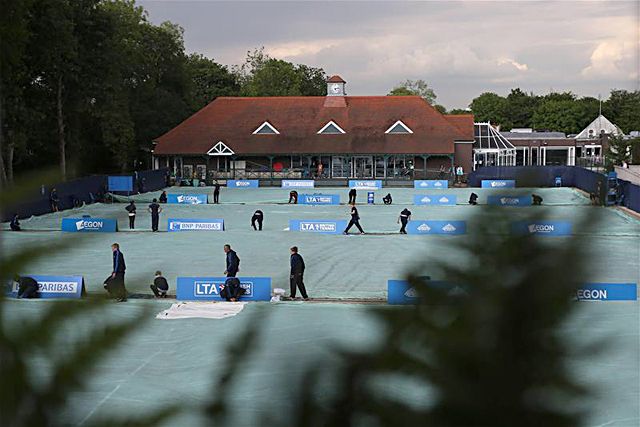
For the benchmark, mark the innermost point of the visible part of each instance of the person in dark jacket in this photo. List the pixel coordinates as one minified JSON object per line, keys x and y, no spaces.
{"x":155,"y":210}
{"x":233,"y":262}
{"x":216,"y":192}
{"x":355,"y":220}
{"x":473,"y":199}
{"x":258,"y":216}
{"x":27,"y":287}
{"x":54,"y":200}
{"x":297,"y":274}
{"x":131,"y":209}
{"x":231,"y":290}
{"x":352,"y":196}
{"x":15,"y":223}
{"x":404,"y":218}
{"x":163,"y":197}
{"x":160,"y":285}
{"x":293,"y":197}
{"x":114,"y":284}
{"x":536,"y":200}
{"x":387,"y":200}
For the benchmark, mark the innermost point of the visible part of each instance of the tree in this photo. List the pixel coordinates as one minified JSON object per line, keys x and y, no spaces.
{"x":559,"y":115}
{"x":623,"y":109}
{"x":441,"y":108}
{"x":520,"y":107}
{"x":458,"y":111}
{"x":620,"y":151}
{"x":490,"y":107}
{"x":414,"y":88}
{"x":209,"y":80}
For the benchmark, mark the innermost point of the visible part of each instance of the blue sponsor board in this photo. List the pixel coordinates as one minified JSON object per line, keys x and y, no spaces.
{"x":507,"y":200}
{"x":89,"y":225}
{"x":434,"y":199}
{"x":181,"y":224}
{"x":436,"y":227}
{"x":54,"y":286}
{"x":319,"y":199}
{"x":400,"y":292}
{"x":542,"y":228}
{"x":498,"y":183}
{"x":120,"y":183}
{"x":607,"y":292}
{"x":298,"y":183}
{"x":243,"y":183}
{"x":328,"y":226}
{"x":208,"y":288}
{"x":187,"y":199}
{"x":431,"y":183}
{"x":368,"y":184}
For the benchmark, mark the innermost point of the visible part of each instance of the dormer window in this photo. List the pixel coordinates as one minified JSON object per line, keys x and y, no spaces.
{"x":220,"y":149}
{"x":331,"y":128}
{"x":399,"y":128}
{"x":266,"y":129}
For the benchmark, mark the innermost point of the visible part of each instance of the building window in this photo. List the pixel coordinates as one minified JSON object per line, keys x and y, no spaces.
{"x":399,"y":128}
{"x":331,"y":128}
{"x":266,"y":129}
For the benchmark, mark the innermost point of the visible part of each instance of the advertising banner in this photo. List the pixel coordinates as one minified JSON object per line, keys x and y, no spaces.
{"x":365,"y":184}
{"x":89,"y":225}
{"x":187,"y":199}
{"x":498,"y":183}
{"x":298,"y":183}
{"x":319,"y":199}
{"x":607,"y":292}
{"x":400,"y":292}
{"x":431,"y":183}
{"x":434,"y":199}
{"x":120,"y":183}
{"x":542,"y":228}
{"x":436,"y":227}
{"x":243,"y":183}
{"x":208,"y":288}
{"x":507,"y":200}
{"x":182,"y":224}
{"x":329,"y":226}
{"x":54,"y":286}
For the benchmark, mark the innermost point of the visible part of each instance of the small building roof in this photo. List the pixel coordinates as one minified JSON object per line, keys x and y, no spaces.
{"x":534,"y":135}
{"x":600,"y":125}
{"x":335,"y":79}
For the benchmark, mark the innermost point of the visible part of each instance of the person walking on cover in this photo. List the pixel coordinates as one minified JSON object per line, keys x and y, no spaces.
{"x":404,"y":218}
{"x":293,"y":197}
{"x":54,"y":200}
{"x":115,"y":283}
{"x":355,"y":220}
{"x":155,"y":210}
{"x":15,"y":223}
{"x":297,"y":272}
{"x":232,"y":261}
{"x":352,"y":196}
{"x":131,"y":209}
{"x":216,"y":192}
{"x":258,"y":216}
{"x":163,"y":197}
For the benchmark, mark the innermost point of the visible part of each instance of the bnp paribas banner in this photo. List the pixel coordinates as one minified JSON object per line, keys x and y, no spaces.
{"x":298,"y":183}
{"x":54,"y":286}
{"x":182,"y":224}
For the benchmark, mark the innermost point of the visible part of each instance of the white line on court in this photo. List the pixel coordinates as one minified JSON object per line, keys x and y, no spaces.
{"x":99,"y":405}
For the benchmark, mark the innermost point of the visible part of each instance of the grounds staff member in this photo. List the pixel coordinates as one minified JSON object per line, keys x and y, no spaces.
{"x":115,"y":283}
{"x":355,"y":220}
{"x":233,"y":262}
{"x":404,"y":218}
{"x":297,"y":273}
{"x":155,"y":210}
{"x":258,"y":216}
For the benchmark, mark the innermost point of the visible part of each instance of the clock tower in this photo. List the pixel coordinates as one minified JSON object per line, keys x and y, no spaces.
{"x":335,"y":86}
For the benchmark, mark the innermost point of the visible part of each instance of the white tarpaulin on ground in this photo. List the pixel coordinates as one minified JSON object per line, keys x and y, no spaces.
{"x":204,"y":310}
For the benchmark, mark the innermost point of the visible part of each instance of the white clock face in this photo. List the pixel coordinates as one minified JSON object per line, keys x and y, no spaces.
{"x":335,"y":88}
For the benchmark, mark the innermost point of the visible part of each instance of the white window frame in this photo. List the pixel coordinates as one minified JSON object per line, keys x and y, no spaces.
{"x":399,"y":122}
{"x":220,"y":149}
{"x":267,"y":124}
{"x":331,"y":122}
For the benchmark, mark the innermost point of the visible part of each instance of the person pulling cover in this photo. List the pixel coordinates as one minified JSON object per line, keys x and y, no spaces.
{"x":352,"y":196}
{"x":387,"y":200}
{"x":114,"y":284}
{"x":232,"y":261}
{"x":536,"y":200}
{"x":404,"y":218}
{"x":258,"y":216}
{"x":297,"y":274}
{"x":293,"y":197}
{"x":160,"y":285}
{"x":355,"y":220}
{"x":473,"y":199}
{"x":231,"y":290}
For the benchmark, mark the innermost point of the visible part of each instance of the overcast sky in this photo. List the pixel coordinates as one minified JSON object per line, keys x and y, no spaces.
{"x":461,"y":48}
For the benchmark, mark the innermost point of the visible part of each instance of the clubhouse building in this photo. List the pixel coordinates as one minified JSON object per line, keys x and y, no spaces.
{"x":326,"y":137}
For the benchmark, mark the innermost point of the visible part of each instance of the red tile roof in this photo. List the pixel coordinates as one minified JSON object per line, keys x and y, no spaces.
{"x":335,"y":79}
{"x":298,"y":119}
{"x":464,"y":122}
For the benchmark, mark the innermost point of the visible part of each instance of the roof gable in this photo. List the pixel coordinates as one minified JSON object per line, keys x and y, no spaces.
{"x":398,"y":128}
{"x":331,"y":128}
{"x":266,"y":129}
{"x":220,"y":149}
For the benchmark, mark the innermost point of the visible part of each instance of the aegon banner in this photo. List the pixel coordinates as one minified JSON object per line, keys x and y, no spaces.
{"x":319,"y":199}
{"x":543,"y":228}
{"x":507,"y":200}
{"x":434,"y":199}
{"x":84,"y":225}
{"x":187,"y":199}
{"x":318,"y":226}
{"x":181,"y":224}
{"x":401,"y":292}
{"x":55,"y":286}
{"x":242,"y":183}
{"x":208,"y":288}
{"x":298,"y":183}
{"x":431,"y":183}
{"x":498,"y":183}
{"x":436,"y":227}
{"x":365,"y":184}
{"x":607,"y":292}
